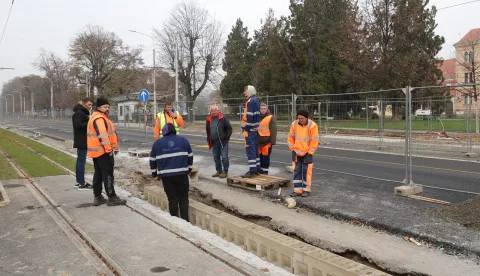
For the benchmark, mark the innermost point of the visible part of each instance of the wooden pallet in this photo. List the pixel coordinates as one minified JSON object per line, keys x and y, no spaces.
{"x":139,"y":154}
{"x":259,"y":183}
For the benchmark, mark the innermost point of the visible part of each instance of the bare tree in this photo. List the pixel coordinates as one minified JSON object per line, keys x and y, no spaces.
{"x":468,"y":67}
{"x":102,"y":52}
{"x":198,"y":39}
{"x":59,"y":72}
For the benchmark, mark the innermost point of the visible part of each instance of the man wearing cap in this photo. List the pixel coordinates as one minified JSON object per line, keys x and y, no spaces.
{"x":173,"y":156}
{"x":250,"y":123}
{"x":102,"y":141}
{"x":303,"y":142}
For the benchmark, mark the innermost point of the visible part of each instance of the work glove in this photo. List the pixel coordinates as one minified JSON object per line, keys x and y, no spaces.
{"x":294,"y":156}
{"x":308,"y":159}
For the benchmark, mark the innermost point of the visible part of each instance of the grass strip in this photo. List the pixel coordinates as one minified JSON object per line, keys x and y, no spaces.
{"x":31,"y":163}
{"x":6,"y":170}
{"x":60,"y":157}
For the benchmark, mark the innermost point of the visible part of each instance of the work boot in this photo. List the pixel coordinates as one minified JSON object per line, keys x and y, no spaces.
{"x":99,"y":200}
{"x":217,"y":174}
{"x":295,"y":194}
{"x":115,"y":201}
{"x":305,"y":194}
{"x":223,"y":175}
{"x":249,"y":175}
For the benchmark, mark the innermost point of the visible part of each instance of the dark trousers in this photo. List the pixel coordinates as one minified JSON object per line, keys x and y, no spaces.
{"x":265,"y":153}
{"x":103,"y":173}
{"x":80,"y":166}
{"x":220,"y":155}
{"x":251,"y":146}
{"x":176,"y":188}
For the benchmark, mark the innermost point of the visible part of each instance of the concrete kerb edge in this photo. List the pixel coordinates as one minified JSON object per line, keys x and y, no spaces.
{"x":286,"y":252}
{"x":217,"y":253}
{"x":447,"y":245}
{"x":339,"y":216}
{"x":6,"y":199}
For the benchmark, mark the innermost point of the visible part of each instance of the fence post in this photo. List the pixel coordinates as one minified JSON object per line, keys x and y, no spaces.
{"x":319,"y":118}
{"x":408,"y":136}
{"x":366,"y":111}
{"x":381,"y":121}
{"x":326,"y":118}
{"x":467,"y":102}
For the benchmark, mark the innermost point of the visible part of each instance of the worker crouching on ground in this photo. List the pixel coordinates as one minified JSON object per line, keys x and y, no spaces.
{"x":219,"y":131}
{"x":267,"y":137}
{"x":303,"y":142}
{"x":102,"y":141}
{"x":173,"y":156}
{"x":250,"y":122}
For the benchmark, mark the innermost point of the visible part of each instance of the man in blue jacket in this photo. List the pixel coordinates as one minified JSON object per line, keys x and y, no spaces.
{"x":172,"y":157}
{"x":250,"y":123}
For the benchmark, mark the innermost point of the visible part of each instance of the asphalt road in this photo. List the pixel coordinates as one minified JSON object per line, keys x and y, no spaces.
{"x":430,"y":172}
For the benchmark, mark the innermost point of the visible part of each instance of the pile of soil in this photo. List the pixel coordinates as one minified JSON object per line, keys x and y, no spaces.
{"x":466,"y":213}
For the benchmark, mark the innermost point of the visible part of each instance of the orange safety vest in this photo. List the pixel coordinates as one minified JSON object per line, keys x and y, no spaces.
{"x":303,"y":139}
{"x":264,"y":128}
{"x":102,"y":139}
{"x":244,"y":117}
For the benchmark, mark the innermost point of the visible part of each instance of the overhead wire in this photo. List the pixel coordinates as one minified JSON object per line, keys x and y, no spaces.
{"x":6,"y":22}
{"x":456,"y":5}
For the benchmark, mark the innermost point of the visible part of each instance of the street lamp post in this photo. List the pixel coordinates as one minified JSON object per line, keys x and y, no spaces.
{"x":13,"y":105}
{"x":51,"y":97}
{"x":20,"y":93}
{"x":5,"y":105}
{"x":154,"y":72}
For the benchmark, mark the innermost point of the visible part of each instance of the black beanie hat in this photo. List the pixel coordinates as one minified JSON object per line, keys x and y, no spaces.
{"x":102,"y":101}
{"x":302,"y":112}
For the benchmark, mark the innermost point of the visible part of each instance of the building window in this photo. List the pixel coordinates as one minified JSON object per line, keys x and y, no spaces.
{"x":121,"y":110}
{"x":466,"y":57}
{"x":468,"y":77}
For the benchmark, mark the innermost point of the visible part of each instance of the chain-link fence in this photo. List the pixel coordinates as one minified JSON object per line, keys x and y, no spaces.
{"x":443,"y":118}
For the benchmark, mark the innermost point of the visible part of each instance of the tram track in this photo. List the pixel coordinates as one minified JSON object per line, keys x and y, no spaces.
{"x":89,"y":248}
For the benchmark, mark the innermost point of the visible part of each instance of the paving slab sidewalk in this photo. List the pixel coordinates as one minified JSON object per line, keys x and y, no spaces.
{"x":31,"y":243}
{"x":138,"y":245}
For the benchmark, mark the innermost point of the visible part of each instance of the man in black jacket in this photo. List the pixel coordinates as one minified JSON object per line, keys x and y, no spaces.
{"x":81,"y":112}
{"x":219,"y":130}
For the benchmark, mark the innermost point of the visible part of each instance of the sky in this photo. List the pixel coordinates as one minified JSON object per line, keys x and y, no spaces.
{"x":52,"y":24}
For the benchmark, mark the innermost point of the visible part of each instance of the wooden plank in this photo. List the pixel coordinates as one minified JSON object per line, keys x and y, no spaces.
{"x":244,"y":187}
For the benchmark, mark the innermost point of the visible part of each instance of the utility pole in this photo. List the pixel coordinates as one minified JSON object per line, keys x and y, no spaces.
{"x":154,"y":71}
{"x":176,"y":72}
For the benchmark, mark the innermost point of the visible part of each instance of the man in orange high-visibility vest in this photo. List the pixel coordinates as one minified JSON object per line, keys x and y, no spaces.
{"x":303,"y":142}
{"x":267,"y":137}
{"x":102,"y":141}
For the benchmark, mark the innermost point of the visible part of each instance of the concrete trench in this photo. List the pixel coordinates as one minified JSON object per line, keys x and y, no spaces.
{"x":256,"y":235}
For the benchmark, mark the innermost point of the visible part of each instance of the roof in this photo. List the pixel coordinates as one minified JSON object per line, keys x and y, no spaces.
{"x":448,"y":68}
{"x":472,"y":36}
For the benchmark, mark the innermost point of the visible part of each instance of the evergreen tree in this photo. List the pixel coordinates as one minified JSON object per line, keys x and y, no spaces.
{"x":237,"y":62}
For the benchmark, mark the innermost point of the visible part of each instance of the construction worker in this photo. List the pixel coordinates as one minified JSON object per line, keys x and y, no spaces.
{"x":250,"y":123}
{"x":173,"y":156}
{"x":267,"y":137}
{"x":303,"y":142}
{"x":169,"y":115}
{"x":102,"y":141}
